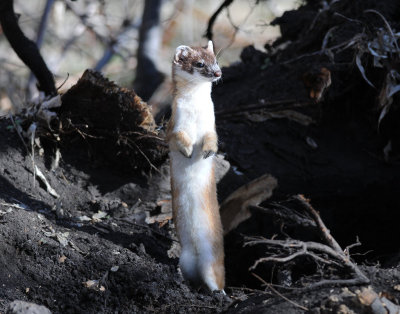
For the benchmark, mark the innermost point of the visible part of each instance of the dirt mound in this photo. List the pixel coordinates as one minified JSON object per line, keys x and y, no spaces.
{"x":113,"y":122}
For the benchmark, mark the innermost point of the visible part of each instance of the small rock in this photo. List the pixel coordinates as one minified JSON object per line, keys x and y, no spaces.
{"x":343,"y":309}
{"x":22,"y":307}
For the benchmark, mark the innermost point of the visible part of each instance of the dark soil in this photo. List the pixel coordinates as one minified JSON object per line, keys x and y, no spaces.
{"x":51,"y":249}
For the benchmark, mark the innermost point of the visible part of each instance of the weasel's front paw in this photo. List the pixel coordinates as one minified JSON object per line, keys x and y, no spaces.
{"x":183,"y":144}
{"x":186,"y":150}
{"x":208,"y":153}
{"x":210,"y":147}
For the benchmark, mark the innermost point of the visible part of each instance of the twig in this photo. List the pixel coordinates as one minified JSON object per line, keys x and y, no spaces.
{"x":324,"y":231}
{"x":11,"y":205}
{"x":35,"y":170}
{"x":270,"y":105}
{"x":330,"y":253}
{"x":279,"y":259}
{"x":386,"y":24}
{"x":32,"y":130}
{"x":46,"y":183}
{"x":278,"y":293}
{"x":307,"y":248}
{"x":148,"y":228}
{"x":284,"y":213}
{"x":144,"y":155}
{"x":362,"y":279}
{"x":336,"y":283}
{"x":346,"y":44}
{"x":347,"y":249}
{"x":209,"y":32}
{"x":111,"y":42}
{"x":236,"y":29}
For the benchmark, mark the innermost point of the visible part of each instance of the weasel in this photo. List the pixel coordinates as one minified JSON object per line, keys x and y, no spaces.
{"x":193,"y":142}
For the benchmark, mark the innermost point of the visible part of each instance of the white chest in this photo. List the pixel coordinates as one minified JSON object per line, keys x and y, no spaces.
{"x":194,"y":112}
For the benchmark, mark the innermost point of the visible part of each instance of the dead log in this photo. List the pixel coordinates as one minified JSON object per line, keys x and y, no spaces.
{"x":236,"y":207}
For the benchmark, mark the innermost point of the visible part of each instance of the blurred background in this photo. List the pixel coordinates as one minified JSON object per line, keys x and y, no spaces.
{"x":76,"y":35}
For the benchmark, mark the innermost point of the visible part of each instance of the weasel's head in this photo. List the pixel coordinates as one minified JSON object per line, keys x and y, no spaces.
{"x":196,"y":64}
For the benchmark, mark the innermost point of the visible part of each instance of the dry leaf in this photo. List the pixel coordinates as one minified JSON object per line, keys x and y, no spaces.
{"x":99,"y":215}
{"x":367,"y":296}
{"x":114,"y":268}
{"x":91,"y":284}
{"x":62,"y":238}
{"x":383,"y":113}
{"x":361,"y":68}
{"x":311,"y":142}
{"x":84,"y":218}
{"x":49,"y":189}
{"x":386,"y":151}
{"x":317,"y":81}
{"x":62,"y":259}
{"x":161,"y":218}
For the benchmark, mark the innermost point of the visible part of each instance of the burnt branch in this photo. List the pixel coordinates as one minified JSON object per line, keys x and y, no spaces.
{"x":323,"y":230}
{"x":209,"y":32}
{"x":288,"y":250}
{"x":25,"y":48}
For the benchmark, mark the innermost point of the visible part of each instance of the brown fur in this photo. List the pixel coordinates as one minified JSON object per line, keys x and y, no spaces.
{"x":187,"y":60}
{"x":175,"y":193}
{"x":211,"y":208}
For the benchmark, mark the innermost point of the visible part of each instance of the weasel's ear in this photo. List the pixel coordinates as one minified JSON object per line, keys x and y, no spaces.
{"x":181,"y":53}
{"x":210,"y":46}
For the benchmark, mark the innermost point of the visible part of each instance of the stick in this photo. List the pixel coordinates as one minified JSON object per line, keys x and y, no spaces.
{"x":46,"y":183}
{"x":330,"y":253}
{"x":278,"y":293}
{"x":324,"y":231}
{"x":270,"y":105}
{"x":209,"y":33}
{"x":284,"y":213}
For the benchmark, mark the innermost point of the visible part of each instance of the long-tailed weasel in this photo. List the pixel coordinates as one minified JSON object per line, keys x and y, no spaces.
{"x":193,"y":142}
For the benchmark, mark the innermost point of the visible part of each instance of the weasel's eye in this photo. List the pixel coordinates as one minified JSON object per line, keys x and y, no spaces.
{"x":199,"y":64}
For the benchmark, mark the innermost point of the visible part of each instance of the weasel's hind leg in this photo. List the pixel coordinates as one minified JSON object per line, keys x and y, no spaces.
{"x":214,"y":276}
{"x":189,"y":267}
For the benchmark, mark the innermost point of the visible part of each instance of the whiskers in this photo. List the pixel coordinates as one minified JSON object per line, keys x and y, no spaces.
{"x":217,"y":56}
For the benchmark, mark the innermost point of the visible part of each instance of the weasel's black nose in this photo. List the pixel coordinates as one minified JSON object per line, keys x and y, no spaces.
{"x":217,"y":73}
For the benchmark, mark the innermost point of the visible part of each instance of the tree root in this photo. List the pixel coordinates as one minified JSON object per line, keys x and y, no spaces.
{"x":329,"y":253}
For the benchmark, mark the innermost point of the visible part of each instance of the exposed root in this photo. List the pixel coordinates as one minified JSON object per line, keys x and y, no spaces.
{"x":329,"y":253}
